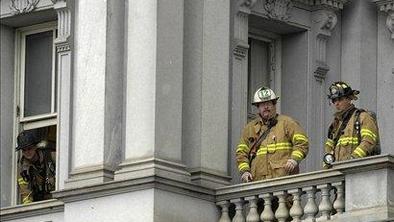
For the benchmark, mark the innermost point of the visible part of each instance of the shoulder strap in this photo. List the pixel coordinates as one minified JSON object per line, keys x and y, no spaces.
{"x":256,"y":145}
{"x":357,"y":124}
{"x":343,"y":125}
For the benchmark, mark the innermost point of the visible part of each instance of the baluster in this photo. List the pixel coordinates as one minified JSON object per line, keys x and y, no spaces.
{"x":239,"y":217}
{"x":267,"y":215}
{"x":296,"y":210}
{"x":325,"y":206}
{"x":253,"y":215}
{"x":310,"y":207}
{"x":282,"y":213}
{"x":339,"y":203}
{"x":224,"y":205}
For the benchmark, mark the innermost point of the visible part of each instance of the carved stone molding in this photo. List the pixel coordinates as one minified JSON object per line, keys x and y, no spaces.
{"x":23,"y":6}
{"x":324,"y":21}
{"x":62,"y":47}
{"x":316,"y":4}
{"x":245,"y":6}
{"x":390,"y":23}
{"x":388,"y":7}
{"x":241,"y":51}
{"x":278,"y":9}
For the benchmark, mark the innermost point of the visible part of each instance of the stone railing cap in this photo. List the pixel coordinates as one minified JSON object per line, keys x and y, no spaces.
{"x":365,"y":164}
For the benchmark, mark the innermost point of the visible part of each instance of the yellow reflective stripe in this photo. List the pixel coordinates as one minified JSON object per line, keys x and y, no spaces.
{"x":360,"y":152}
{"x":330,"y":143}
{"x":242,"y":148}
{"x":27,"y":199}
{"x":279,"y":144}
{"x":298,"y":154}
{"x":299,"y":137}
{"x":243,"y":166}
{"x":21,"y":181}
{"x":265,"y":150}
{"x":347,"y":140}
{"x":366,"y":132}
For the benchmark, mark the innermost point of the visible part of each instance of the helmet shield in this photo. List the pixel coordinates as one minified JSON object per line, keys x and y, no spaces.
{"x":341,"y":89}
{"x":264,"y":94}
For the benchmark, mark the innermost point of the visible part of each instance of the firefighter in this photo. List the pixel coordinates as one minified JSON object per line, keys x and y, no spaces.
{"x":272,"y":145}
{"x":36,"y":166}
{"x":354,"y":132}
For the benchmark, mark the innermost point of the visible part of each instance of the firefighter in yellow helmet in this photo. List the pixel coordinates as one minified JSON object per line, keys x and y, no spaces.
{"x":354,"y":132}
{"x":271,"y":145}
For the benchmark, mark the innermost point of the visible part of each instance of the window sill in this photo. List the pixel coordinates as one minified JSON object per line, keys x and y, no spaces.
{"x":33,"y":209}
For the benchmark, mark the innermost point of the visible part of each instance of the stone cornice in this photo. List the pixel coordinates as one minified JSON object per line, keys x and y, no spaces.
{"x":332,"y":4}
{"x":30,"y":210}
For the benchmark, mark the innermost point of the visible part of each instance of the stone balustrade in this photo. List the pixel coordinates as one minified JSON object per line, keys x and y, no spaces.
{"x":305,"y":197}
{"x":316,"y":196}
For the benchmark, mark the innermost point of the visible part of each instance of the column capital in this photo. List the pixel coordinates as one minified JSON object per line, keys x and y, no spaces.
{"x":387,"y":6}
{"x":245,"y":6}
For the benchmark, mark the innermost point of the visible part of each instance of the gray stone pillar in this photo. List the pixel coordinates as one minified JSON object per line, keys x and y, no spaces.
{"x":385,"y":74}
{"x":206,"y":90}
{"x":359,"y":45}
{"x":153,"y":110}
{"x":325,"y":18}
{"x":239,"y":81}
{"x":8,"y":183}
{"x":63,"y":49}
{"x":97,"y":97}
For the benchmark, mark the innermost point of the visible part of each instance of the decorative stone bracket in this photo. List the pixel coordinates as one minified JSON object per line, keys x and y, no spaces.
{"x":388,"y":7}
{"x":324,"y":21}
{"x":64,"y":24}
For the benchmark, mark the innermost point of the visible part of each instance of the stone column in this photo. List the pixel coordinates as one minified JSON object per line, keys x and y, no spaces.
{"x":63,"y":69}
{"x":97,"y":97}
{"x":359,"y":45}
{"x":153,"y":110}
{"x":239,"y":81}
{"x":385,"y":73}
{"x":324,"y":19}
{"x":206,"y":91}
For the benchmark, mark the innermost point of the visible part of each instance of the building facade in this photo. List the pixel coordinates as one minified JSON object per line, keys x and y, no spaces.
{"x":146,"y":100}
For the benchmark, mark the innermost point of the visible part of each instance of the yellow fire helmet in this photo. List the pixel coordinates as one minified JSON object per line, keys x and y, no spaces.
{"x":264,"y":94}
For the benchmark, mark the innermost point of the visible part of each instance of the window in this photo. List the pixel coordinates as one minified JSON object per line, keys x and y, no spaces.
{"x":36,"y":87}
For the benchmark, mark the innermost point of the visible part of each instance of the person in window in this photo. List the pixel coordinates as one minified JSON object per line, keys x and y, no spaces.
{"x":271,"y":145}
{"x":354,"y":132}
{"x":36,"y":166}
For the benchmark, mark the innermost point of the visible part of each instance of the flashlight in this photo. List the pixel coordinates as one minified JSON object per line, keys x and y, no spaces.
{"x":328,"y":159}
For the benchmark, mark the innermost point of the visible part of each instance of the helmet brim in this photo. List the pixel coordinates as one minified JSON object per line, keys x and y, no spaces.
{"x":24,"y":146}
{"x":256,"y":103}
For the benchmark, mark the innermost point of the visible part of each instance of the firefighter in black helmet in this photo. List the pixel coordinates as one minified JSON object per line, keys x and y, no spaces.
{"x":36,"y":166}
{"x":354,"y":132}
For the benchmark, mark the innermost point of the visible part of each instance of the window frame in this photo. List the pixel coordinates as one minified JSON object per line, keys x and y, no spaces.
{"x":37,"y":121}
